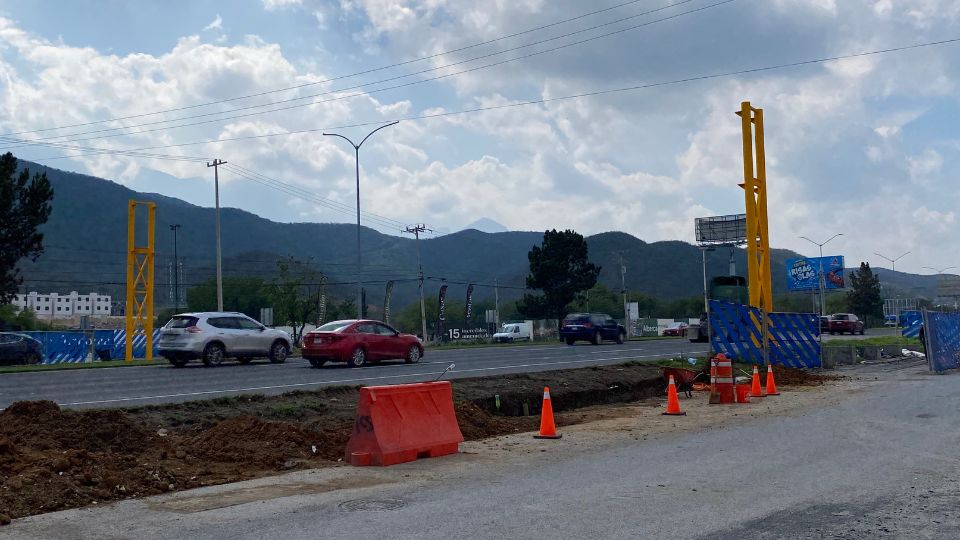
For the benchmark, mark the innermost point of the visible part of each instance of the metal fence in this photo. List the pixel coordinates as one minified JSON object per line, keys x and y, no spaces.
{"x":737,"y":331}
{"x":76,"y":346}
{"x":942,"y":340}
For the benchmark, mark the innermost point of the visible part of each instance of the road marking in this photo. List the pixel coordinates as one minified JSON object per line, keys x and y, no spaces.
{"x":359,"y":379}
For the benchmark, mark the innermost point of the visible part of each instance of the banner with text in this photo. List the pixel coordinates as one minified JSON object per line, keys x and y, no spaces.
{"x":803,"y":274}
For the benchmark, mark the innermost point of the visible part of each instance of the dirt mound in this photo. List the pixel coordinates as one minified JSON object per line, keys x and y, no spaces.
{"x":787,"y":376}
{"x":42,"y":425}
{"x":476,"y":423}
{"x":251,"y":439}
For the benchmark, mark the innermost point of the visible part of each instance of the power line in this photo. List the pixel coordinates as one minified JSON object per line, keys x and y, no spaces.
{"x":27,"y":142}
{"x":324,"y":81}
{"x":541,"y":101}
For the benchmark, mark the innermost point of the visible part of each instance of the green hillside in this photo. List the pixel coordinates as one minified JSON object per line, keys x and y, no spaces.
{"x":86,"y":243}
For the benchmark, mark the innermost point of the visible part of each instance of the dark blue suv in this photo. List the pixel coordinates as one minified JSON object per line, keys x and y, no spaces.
{"x":592,"y":327}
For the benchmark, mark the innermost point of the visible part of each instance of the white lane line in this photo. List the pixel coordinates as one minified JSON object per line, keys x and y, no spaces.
{"x":360,"y":379}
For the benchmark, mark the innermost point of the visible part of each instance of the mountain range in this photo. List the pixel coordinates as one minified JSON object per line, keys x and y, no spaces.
{"x":85,"y":250}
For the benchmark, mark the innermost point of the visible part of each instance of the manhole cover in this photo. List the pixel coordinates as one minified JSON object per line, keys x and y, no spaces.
{"x":372,"y":505}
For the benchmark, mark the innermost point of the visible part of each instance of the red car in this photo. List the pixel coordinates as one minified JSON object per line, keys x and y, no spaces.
{"x":676,"y":329}
{"x":357,"y":342}
{"x":845,"y":322}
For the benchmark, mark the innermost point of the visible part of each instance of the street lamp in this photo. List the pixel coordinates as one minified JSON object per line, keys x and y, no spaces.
{"x":820,"y":246}
{"x":176,"y":269}
{"x":939,"y":272}
{"x":893,"y":262}
{"x":356,"y":148}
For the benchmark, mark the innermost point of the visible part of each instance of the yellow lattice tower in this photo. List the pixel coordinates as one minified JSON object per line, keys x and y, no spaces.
{"x":139,"y":309}
{"x":755,"y":195}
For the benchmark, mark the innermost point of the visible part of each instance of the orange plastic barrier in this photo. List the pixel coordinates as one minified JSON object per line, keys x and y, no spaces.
{"x":397,"y":424}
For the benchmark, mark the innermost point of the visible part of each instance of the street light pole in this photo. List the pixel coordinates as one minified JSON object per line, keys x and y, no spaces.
{"x":820,"y":245}
{"x":176,"y":268}
{"x":893,"y":262}
{"x":940,"y":272}
{"x":356,"y":149}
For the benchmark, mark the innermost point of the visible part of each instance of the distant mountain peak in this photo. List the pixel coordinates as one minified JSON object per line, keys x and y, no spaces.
{"x":486,"y":225}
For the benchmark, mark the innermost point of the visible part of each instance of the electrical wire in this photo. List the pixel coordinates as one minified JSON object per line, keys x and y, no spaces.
{"x":332,"y":79}
{"x":542,"y":101}
{"x":28,"y":142}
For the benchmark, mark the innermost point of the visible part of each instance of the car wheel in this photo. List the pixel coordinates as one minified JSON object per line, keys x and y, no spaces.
{"x":279,"y":352}
{"x":596,"y":339}
{"x":177,"y":362}
{"x":862,"y":330}
{"x":569,"y":341}
{"x":316,"y":362}
{"x":213,"y":355}
{"x":620,"y":338}
{"x":413,"y":355}
{"x":358,"y":358}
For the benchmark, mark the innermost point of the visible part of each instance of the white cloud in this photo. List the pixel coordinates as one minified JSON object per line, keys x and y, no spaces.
{"x":272,"y":5}
{"x":215,"y":24}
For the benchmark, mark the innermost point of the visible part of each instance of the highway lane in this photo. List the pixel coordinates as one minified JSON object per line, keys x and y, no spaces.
{"x":133,"y":386}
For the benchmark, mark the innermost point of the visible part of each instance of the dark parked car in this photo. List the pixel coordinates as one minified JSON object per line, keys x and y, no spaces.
{"x":824,"y":324}
{"x":358,"y":342}
{"x":19,"y":349}
{"x":845,"y":322}
{"x":592,"y":327}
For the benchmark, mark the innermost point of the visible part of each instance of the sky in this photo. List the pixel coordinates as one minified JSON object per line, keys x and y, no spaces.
{"x":865,"y":146}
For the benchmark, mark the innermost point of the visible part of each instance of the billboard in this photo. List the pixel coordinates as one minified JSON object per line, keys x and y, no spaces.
{"x":803,"y":274}
{"x":721,"y":230}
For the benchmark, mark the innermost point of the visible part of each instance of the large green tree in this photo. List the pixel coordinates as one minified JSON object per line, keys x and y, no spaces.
{"x":295,"y":294}
{"x":24,"y":207}
{"x":864,"y":298}
{"x":560,"y":268}
{"x":242,"y":294}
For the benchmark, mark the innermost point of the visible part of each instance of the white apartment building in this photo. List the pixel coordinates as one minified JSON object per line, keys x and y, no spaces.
{"x":59,"y":306}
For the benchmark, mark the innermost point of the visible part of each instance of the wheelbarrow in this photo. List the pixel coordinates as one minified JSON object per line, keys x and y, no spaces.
{"x":683,"y":378}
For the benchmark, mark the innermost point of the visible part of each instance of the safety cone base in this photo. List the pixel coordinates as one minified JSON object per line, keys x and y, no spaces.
{"x":674,"y":414}
{"x":557,"y":436}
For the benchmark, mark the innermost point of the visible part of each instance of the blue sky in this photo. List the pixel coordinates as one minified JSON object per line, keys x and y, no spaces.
{"x":865,"y":146}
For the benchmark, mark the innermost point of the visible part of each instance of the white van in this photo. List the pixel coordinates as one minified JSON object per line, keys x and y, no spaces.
{"x":513,"y":332}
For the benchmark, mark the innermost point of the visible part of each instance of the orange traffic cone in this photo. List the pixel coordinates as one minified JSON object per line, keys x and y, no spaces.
{"x":771,"y":384}
{"x":673,"y":402}
{"x":755,"y":389}
{"x":547,"y":428}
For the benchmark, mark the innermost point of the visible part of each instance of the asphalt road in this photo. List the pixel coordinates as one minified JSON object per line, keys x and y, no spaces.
{"x":878,"y":462}
{"x":132,"y":386}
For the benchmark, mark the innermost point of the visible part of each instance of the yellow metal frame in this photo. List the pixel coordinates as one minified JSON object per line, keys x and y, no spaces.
{"x":755,"y":196}
{"x":139,"y":308}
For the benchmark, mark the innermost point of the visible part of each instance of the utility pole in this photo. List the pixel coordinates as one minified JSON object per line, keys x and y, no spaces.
{"x":416,"y":230}
{"x":823,"y":308}
{"x":176,"y":269}
{"x":623,"y":291}
{"x":216,"y":193}
{"x":496,"y":303}
{"x":356,"y":149}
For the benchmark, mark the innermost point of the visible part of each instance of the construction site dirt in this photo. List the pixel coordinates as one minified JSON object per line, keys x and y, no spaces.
{"x":54,"y":459}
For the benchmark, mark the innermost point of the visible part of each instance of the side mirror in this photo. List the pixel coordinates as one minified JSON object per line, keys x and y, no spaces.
{"x":262,"y":328}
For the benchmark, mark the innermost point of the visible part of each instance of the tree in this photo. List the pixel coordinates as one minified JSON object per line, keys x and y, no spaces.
{"x":295,"y":294}
{"x":864,"y":298}
{"x":25,"y":206}
{"x":242,"y":294}
{"x":560,"y":268}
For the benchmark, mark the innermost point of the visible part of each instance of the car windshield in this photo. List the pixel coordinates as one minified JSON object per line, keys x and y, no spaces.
{"x":181,"y":321}
{"x":841,"y":317}
{"x":676,"y":325}
{"x":334,"y":326}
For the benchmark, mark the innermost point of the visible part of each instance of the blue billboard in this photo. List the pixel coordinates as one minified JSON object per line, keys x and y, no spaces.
{"x":803,"y":274}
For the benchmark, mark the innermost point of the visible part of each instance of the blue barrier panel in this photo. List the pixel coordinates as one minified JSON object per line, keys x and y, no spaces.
{"x":75,"y":346}
{"x":942,"y":332}
{"x":911,"y":321}
{"x":737,"y":331}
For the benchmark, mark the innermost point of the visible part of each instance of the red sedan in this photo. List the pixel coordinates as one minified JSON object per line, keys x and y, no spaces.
{"x":357,"y":342}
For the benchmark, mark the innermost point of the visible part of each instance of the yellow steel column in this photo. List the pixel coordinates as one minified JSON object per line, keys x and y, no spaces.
{"x":131,"y":296}
{"x":755,"y":198}
{"x":139,"y":309}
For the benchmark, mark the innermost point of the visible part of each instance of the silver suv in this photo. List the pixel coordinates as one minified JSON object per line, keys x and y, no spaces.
{"x":214,"y":336}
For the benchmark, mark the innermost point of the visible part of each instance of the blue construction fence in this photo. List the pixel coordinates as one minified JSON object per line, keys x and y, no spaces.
{"x":737,"y":331}
{"x":942,"y":340}
{"x":910,"y":323}
{"x":75,"y":346}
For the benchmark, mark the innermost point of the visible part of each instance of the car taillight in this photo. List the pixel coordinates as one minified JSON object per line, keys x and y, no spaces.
{"x":194,"y":329}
